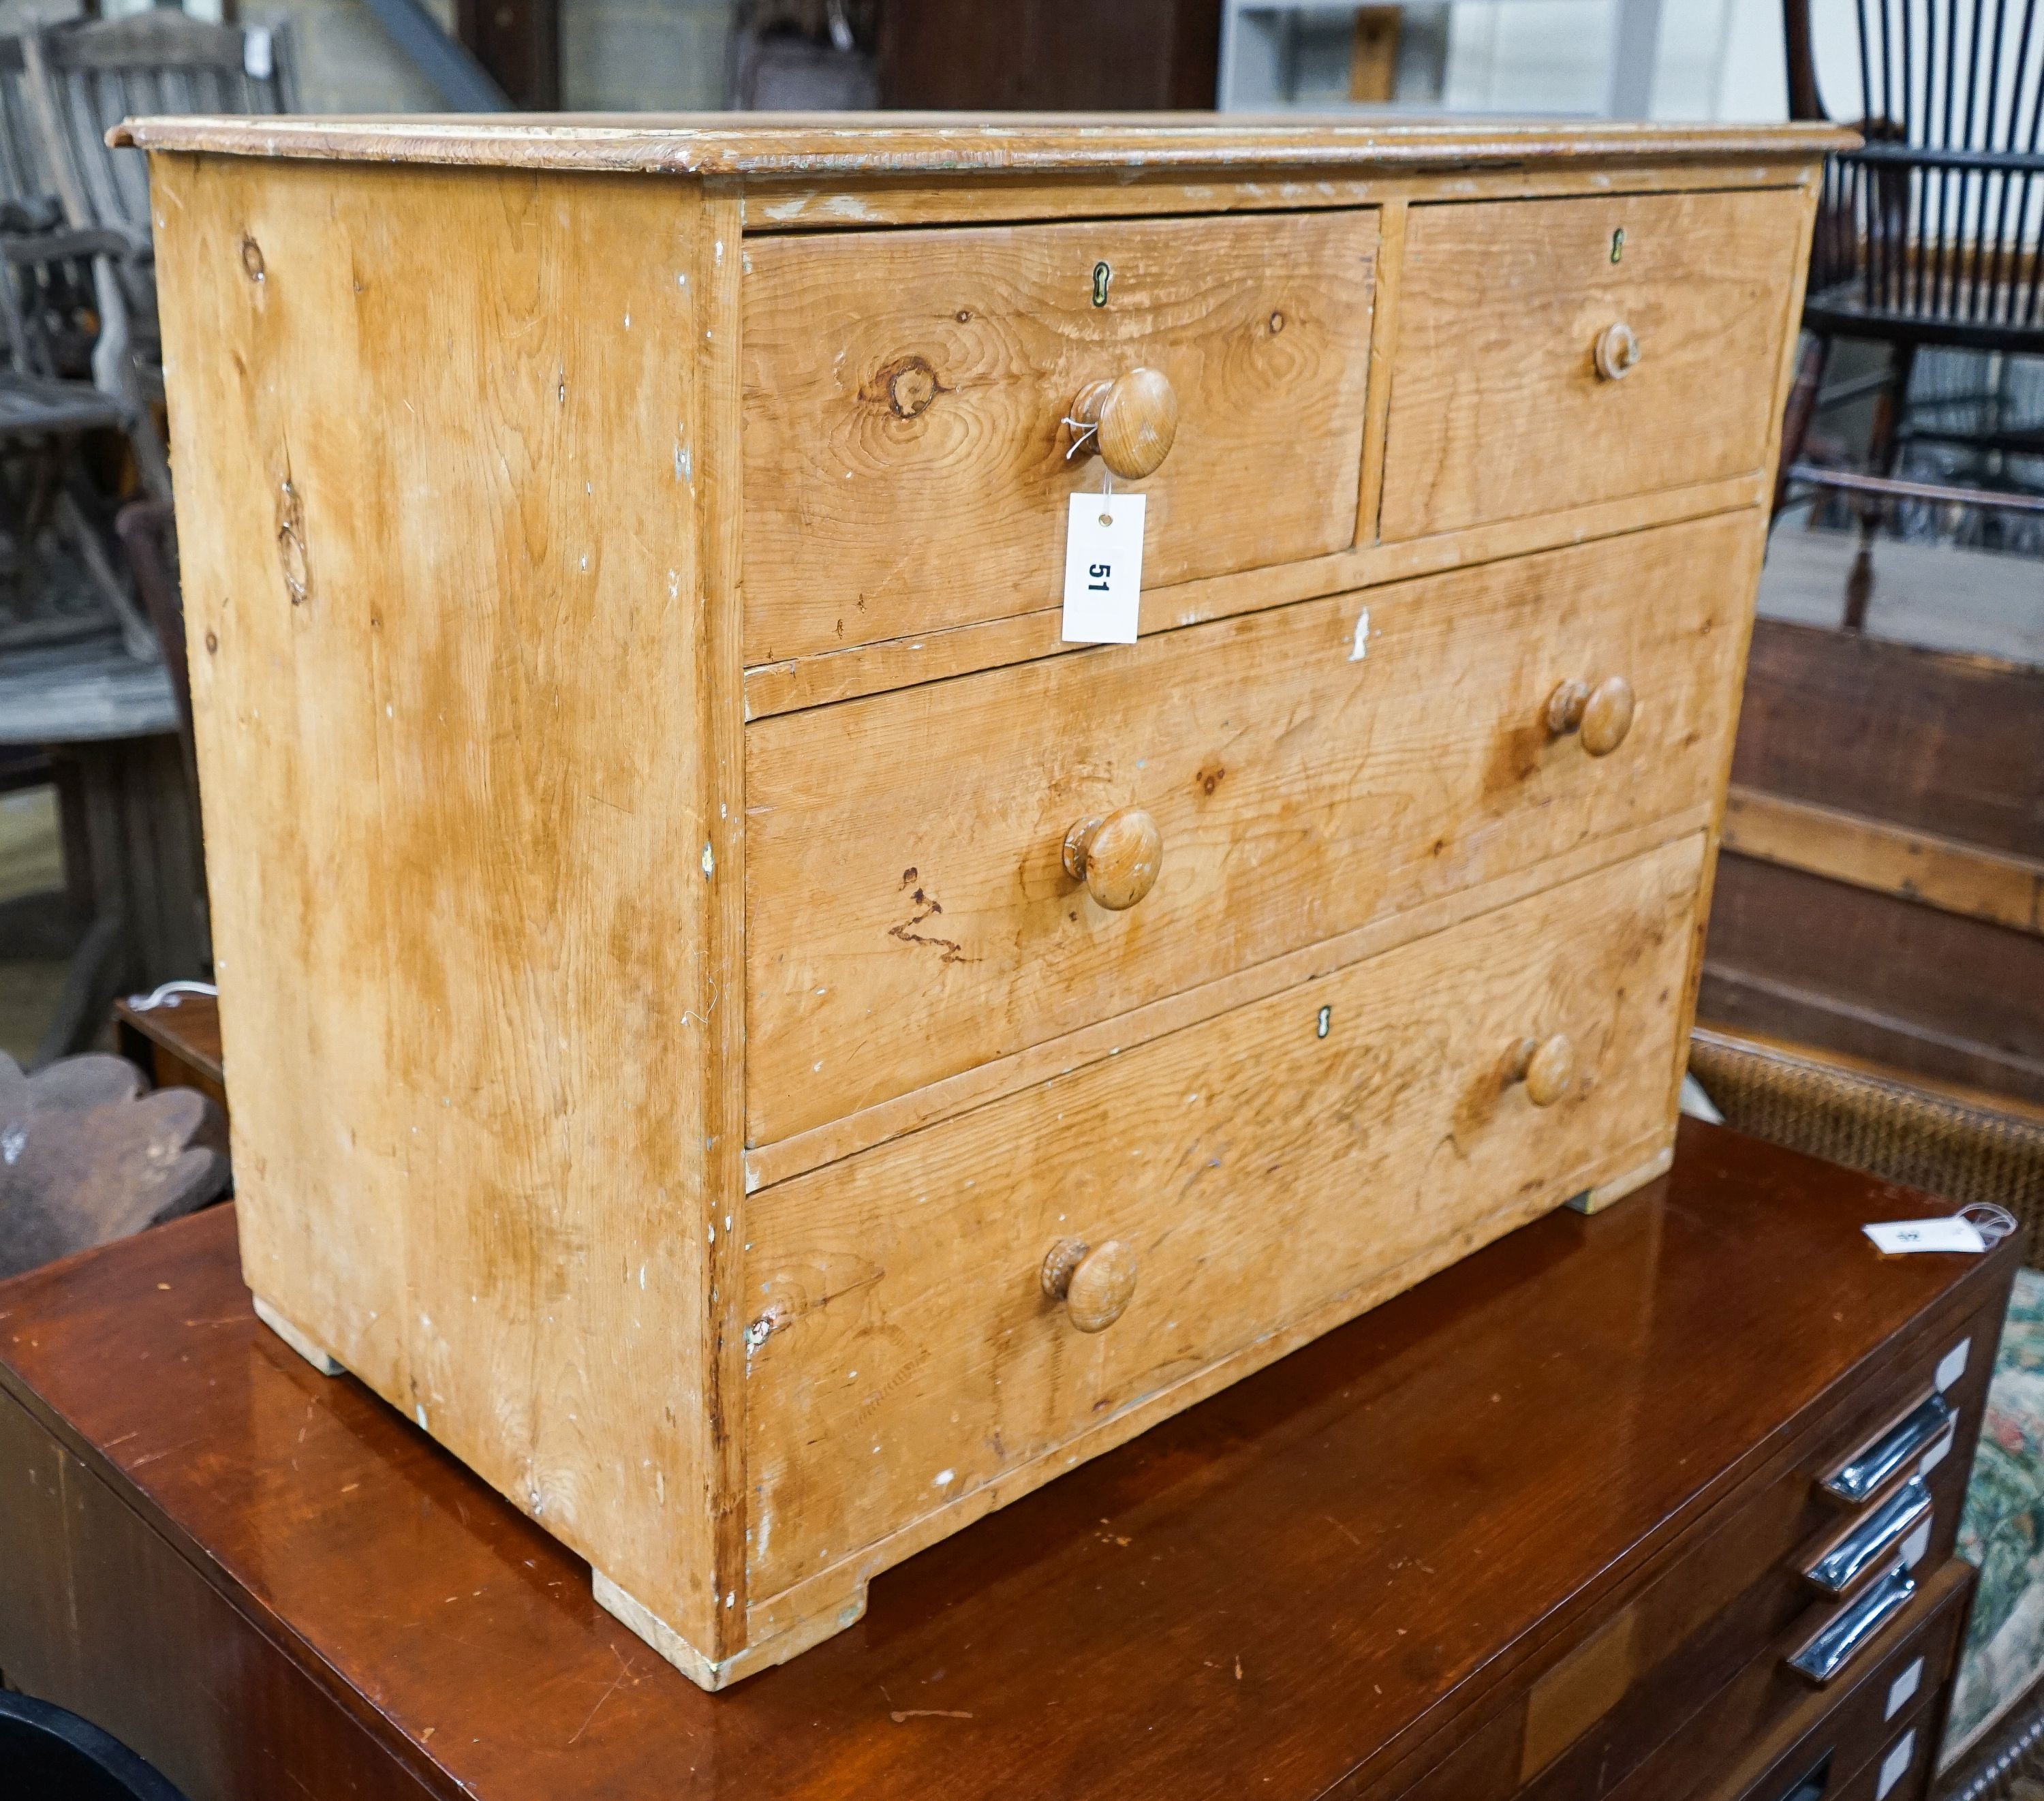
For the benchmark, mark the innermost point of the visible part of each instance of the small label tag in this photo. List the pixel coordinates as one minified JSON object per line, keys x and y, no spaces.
{"x":1896,"y":1236}
{"x":1952,"y":1365}
{"x":259,"y":62}
{"x":1895,"y":1765}
{"x":1902,"y":1690}
{"x":1915,"y":1545}
{"x":1937,"y":1454}
{"x":1103,"y":568}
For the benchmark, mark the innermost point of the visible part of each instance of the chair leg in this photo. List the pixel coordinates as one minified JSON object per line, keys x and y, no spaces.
{"x":1802,"y":410}
{"x":1883,"y":445}
{"x":136,"y":633}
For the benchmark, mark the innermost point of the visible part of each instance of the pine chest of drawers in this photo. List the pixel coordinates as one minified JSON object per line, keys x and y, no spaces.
{"x":759,"y":1046}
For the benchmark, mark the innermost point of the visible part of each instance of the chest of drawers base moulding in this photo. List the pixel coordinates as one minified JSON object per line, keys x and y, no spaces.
{"x":506,"y":450}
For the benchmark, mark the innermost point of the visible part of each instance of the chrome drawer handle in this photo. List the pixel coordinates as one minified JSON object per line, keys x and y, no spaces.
{"x":1846,"y":1633}
{"x":1874,"y":1464}
{"x":1873,"y":1538}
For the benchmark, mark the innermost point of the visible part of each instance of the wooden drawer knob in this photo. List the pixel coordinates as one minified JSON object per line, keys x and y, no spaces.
{"x":1601,"y":715}
{"x":1617,"y":352}
{"x":1095,"y":1283}
{"x":1547,"y":1067}
{"x":1116,"y":857}
{"x":1134,"y":417}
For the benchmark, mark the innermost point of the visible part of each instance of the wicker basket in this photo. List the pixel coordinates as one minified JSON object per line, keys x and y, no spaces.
{"x":1950,"y":1148}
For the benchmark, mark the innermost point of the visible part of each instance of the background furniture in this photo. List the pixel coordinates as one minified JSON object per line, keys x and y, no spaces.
{"x":173,"y":1036}
{"x":1927,"y":235}
{"x":1512,"y":1533}
{"x":1963,"y":1150}
{"x":1263,"y":46}
{"x":1881,"y":891}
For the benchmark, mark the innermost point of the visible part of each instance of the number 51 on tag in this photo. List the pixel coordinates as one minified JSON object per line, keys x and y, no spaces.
{"x":1103,"y":569}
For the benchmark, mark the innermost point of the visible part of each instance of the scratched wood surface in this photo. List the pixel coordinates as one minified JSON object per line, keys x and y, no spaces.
{"x":489,"y":476}
{"x":1453,"y":1494}
{"x":1497,"y":409}
{"x":1311,"y":767}
{"x":959,"y":145}
{"x":425,"y":580}
{"x":907,"y":464}
{"x":1273,"y":1164}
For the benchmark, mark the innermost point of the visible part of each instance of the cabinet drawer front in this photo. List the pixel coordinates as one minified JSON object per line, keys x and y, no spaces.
{"x":1498,"y":406}
{"x":905,"y":394}
{"x":1301,"y":1157}
{"x":1309,"y":769}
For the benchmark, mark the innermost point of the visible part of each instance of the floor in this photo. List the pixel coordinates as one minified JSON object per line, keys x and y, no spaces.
{"x":31,"y":859}
{"x":1934,"y":596}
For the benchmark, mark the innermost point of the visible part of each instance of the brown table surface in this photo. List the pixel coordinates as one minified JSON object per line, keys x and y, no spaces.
{"x":273,"y":1584}
{"x":188,"y":1027}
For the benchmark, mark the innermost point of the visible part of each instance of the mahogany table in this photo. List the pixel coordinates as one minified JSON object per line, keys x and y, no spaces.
{"x":1321,"y":1581}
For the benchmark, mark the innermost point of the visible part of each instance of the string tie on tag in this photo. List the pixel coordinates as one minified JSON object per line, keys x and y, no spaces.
{"x":1081,"y":430}
{"x":1993,"y":1223}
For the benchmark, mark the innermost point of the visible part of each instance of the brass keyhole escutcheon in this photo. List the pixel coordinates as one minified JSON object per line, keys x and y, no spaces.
{"x":1617,"y":243}
{"x":1102,"y":274}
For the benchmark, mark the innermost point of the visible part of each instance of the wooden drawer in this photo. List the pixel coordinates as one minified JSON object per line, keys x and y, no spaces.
{"x":1273,"y":1170}
{"x":1677,"y":1682}
{"x":1498,"y":409}
{"x":905,"y":393}
{"x":1311,"y":768}
{"x":1856,"y":1727}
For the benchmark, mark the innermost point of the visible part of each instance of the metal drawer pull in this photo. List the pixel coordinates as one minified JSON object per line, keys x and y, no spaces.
{"x":1873,"y":1538}
{"x":1848,"y":1629}
{"x":1874,"y":1464}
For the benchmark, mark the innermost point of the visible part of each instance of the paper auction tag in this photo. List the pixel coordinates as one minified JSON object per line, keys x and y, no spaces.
{"x":1895,"y":1236}
{"x":1103,"y":569}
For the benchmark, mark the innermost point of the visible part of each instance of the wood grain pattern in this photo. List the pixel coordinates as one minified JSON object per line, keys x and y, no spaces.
{"x":1848,"y":968}
{"x":893,"y":1297}
{"x":215,"y":1611}
{"x":422,"y":564}
{"x":1926,"y":740}
{"x":1496,"y":410}
{"x":1871,"y":853}
{"x":498,"y":476}
{"x":906,"y":456}
{"x":929,"y":657}
{"x":917,"y":902}
{"x":859,"y":145}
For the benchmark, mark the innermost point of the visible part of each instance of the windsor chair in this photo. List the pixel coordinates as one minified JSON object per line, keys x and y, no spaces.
{"x":1928,"y":232}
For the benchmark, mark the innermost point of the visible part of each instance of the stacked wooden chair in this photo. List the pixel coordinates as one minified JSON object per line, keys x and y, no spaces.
{"x":91,"y":606}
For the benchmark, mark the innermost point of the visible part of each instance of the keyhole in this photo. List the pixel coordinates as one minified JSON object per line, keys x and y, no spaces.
{"x":1102,"y":274}
{"x":1325,"y":1020}
{"x":1617,"y":243}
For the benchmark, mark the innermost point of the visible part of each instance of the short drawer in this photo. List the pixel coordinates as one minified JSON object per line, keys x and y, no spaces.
{"x":1686,"y":1682}
{"x":905,"y":396}
{"x":1501,"y":405}
{"x":1293,"y":1161}
{"x":1309,"y":769}
{"x":1860,"y":1726}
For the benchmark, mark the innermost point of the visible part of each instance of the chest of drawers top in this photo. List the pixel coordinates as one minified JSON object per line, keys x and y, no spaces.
{"x":865,"y":1052}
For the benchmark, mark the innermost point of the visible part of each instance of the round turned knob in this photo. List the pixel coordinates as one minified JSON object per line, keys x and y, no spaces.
{"x":1602,"y":715}
{"x":1617,"y":352}
{"x":1095,"y":1283}
{"x":1134,"y":417}
{"x":1116,"y":857}
{"x":1547,"y":1067}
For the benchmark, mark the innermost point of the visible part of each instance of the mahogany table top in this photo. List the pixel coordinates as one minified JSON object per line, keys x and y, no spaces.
{"x":1292,"y":1589}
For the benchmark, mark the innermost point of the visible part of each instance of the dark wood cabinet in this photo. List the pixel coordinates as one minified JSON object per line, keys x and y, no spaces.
{"x":1540,"y":1527}
{"x":1050,"y":55}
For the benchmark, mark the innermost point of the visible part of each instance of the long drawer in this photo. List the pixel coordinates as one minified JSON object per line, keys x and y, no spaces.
{"x":907,"y":453}
{"x":1296,"y":1159}
{"x":1308,"y":770}
{"x":1513,"y":393}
